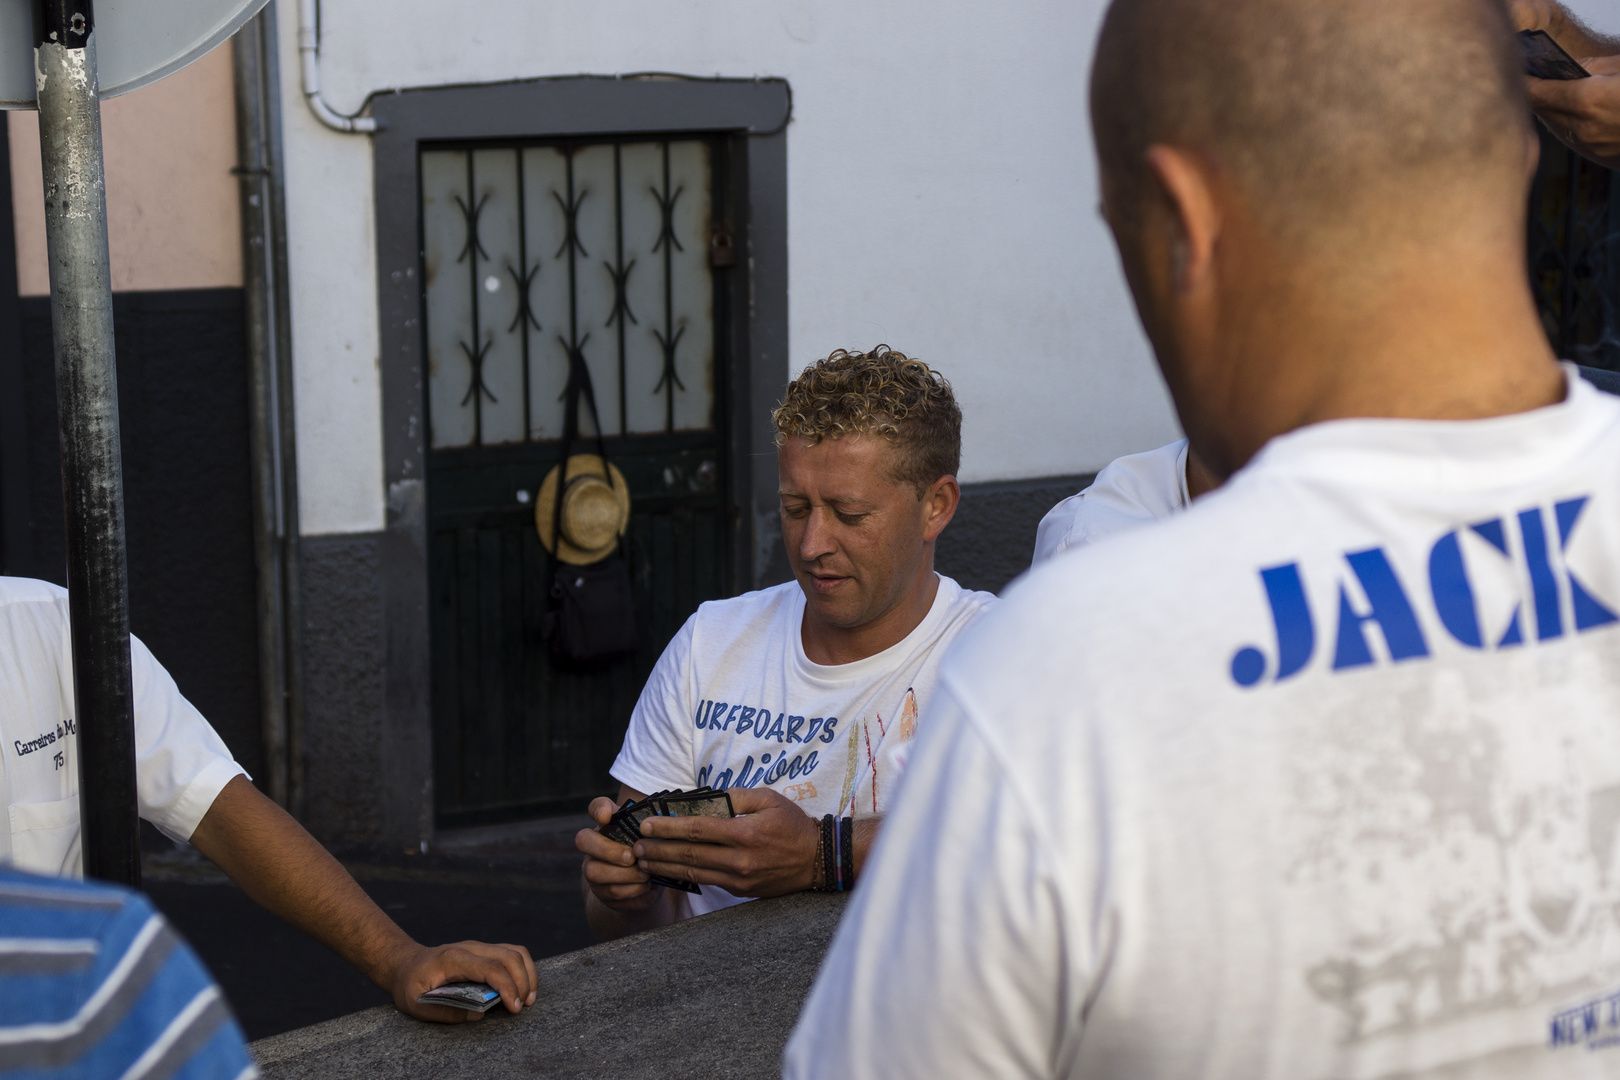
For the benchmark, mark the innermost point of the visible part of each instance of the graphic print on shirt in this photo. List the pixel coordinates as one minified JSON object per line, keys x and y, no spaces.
{"x":873,"y":751}
{"x":1470,"y":860}
{"x":870,"y":771}
{"x":45,"y":744}
{"x":778,"y":728}
{"x":1373,"y":593}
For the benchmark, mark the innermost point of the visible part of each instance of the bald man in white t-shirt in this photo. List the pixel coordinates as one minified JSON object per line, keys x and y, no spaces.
{"x":1319,"y":778}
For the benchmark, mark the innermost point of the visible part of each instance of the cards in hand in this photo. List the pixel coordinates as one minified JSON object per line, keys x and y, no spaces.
{"x":625,"y":825}
{"x":1544,"y":59}
{"x":474,"y":997}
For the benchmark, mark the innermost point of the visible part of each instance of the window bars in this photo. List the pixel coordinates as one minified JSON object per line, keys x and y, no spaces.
{"x":534,"y":253}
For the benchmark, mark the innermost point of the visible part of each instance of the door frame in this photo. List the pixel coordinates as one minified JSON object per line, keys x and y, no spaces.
{"x":755,"y":112}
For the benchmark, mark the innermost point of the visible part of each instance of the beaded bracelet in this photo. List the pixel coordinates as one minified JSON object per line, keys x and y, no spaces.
{"x":818,"y":868}
{"x":835,"y":855}
{"x":838,"y":854}
{"x":846,"y":866}
{"x":826,"y":855}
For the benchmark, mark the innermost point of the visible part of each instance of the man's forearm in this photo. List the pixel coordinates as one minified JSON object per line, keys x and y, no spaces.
{"x":288,"y":872}
{"x":611,"y":923}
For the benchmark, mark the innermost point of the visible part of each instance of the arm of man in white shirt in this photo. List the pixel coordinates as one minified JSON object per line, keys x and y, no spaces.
{"x":769,"y":849}
{"x":1584,"y":114}
{"x":288,"y":872}
{"x":944,"y":964}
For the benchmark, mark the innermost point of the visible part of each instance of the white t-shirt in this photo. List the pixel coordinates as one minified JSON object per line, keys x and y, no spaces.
{"x":1131,"y":491}
{"x":1319,"y":779}
{"x":734,"y":702}
{"x":180,"y":762}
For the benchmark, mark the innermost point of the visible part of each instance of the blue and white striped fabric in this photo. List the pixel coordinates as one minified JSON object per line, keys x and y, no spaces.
{"x":95,"y":984}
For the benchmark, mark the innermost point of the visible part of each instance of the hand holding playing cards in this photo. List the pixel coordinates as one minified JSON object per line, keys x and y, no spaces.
{"x":1584,"y":113}
{"x":610,"y":868}
{"x":767,"y":850}
{"x":507,"y":969}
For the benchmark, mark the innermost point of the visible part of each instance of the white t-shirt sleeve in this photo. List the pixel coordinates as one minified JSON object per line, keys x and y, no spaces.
{"x":181,"y":763}
{"x":1054,"y":534}
{"x":657,"y":751}
{"x":1129,"y":492}
{"x":944,"y":964}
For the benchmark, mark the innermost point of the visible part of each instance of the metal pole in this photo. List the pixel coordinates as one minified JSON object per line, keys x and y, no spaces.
{"x":92,"y":470}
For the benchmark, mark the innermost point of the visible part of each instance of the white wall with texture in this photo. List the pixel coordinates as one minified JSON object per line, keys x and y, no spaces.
{"x":942,"y":199}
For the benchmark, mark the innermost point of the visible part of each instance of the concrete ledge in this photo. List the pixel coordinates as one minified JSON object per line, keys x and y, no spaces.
{"x":714,"y":996}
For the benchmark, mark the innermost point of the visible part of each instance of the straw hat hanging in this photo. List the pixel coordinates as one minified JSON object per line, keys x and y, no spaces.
{"x":594,"y":512}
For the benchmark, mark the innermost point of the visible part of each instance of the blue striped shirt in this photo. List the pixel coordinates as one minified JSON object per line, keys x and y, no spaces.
{"x":95,"y":984}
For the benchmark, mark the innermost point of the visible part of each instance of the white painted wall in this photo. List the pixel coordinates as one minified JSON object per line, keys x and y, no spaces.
{"x":942,"y":198}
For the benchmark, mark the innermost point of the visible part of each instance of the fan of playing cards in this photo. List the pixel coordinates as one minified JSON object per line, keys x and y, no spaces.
{"x":625,"y":825}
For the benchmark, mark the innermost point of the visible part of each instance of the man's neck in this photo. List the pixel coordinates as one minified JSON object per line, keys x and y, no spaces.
{"x":831,"y":645}
{"x":1428,"y":345}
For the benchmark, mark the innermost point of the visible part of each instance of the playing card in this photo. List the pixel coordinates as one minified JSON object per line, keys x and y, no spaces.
{"x":699,"y":804}
{"x":675,"y":883}
{"x":625,"y":825}
{"x":1544,"y":59}
{"x":472,"y":996}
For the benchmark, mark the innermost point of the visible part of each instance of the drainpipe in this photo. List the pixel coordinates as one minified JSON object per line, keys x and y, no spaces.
{"x":271,"y":431}
{"x":309,"y":54}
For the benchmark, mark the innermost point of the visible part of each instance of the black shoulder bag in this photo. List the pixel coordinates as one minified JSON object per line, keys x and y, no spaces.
{"x":591,"y":615}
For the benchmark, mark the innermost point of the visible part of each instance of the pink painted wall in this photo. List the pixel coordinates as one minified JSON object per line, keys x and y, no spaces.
{"x":173,"y":217}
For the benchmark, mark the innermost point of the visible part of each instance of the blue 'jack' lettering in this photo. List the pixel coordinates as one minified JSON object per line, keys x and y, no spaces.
{"x":1455,"y":603}
{"x":1390,"y":610}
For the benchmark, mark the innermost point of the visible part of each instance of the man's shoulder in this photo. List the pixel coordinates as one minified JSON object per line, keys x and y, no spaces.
{"x":744,"y":619}
{"x":19,"y":590}
{"x":745,"y":607}
{"x":961,"y":607}
{"x":1150,"y":480}
{"x":95,"y":936}
{"x":56,"y":898}
{"x":1133,"y":490}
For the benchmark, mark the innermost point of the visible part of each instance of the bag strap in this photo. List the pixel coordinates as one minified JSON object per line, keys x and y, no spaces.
{"x":579,"y":386}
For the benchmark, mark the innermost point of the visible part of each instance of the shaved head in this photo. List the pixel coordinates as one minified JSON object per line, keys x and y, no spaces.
{"x":1328,"y":114}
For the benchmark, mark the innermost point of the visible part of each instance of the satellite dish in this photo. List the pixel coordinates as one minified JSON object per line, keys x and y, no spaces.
{"x":137,"y":41}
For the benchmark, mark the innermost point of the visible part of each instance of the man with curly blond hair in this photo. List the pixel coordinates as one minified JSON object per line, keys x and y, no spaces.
{"x":801,"y":699}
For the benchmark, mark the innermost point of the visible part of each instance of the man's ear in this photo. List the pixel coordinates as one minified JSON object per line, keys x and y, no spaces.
{"x":1192,"y":213}
{"x":939,"y":504}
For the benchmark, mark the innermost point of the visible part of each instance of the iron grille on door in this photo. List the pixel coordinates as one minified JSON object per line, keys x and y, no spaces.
{"x":530,"y":252}
{"x":533,"y":252}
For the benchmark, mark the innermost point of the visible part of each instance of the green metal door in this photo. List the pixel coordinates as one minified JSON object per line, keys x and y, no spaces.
{"x":614,"y":249}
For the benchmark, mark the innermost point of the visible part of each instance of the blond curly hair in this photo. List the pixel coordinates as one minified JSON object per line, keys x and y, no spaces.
{"x":884,"y":393}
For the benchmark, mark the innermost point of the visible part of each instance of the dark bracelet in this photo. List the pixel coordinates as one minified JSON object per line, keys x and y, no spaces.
{"x":827,"y":854}
{"x":818,"y":867}
{"x":846,"y":878}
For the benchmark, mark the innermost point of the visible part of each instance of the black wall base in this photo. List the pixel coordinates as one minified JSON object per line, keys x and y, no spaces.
{"x":992,"y":537}
{"x":182,"y":390}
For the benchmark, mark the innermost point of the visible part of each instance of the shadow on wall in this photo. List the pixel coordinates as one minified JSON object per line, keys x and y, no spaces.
{"x":992,"y":537}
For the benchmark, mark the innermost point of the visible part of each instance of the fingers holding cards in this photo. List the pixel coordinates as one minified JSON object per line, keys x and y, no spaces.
{"x":610,"y":869}
{"x":624,"y":826}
